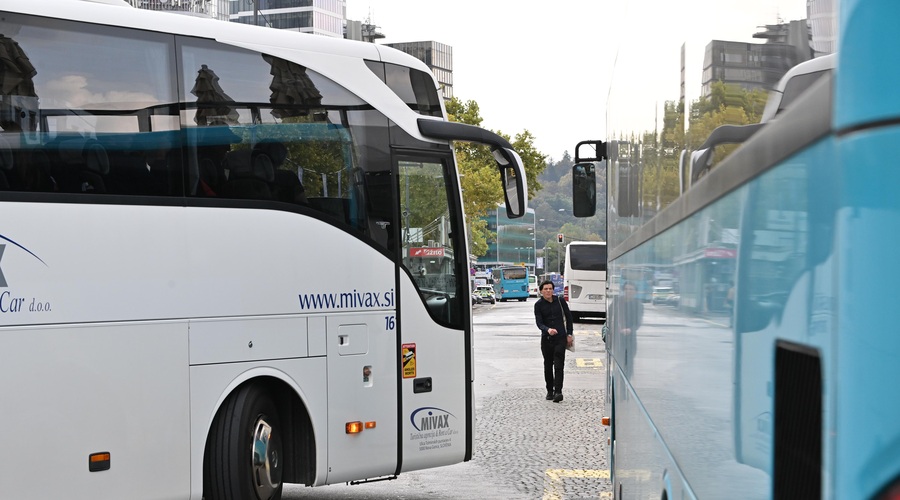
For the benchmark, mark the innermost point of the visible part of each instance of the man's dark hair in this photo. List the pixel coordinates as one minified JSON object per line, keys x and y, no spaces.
{"x":545,"y":282}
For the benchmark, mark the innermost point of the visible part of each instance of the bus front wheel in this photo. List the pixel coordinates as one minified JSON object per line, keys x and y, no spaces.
{"x":243,"y":458}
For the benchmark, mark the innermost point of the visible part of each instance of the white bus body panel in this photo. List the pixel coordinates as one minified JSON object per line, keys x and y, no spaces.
{"x":123,"y":387}
{"x":72,"y":390}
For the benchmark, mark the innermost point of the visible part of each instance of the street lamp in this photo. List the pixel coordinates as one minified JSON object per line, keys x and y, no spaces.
{"x":532,"y":261}
{"x":534,"y":244}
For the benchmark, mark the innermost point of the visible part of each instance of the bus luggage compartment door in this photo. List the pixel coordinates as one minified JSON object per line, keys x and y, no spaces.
{"x":362,"y":387}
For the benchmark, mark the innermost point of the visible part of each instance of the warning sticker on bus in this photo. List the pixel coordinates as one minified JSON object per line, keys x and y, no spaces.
{"x":409,"y":360}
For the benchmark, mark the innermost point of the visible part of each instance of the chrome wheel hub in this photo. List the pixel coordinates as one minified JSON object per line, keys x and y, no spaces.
{"x":266,"y":465}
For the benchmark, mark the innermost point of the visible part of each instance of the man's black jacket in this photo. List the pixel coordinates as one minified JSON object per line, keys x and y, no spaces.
{"x":550,"y":315}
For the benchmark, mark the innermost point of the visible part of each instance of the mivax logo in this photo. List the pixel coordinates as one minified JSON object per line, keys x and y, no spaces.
{"x":430,"y":418}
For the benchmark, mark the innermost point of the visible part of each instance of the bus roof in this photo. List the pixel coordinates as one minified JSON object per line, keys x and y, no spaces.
{"x":341,"y":60}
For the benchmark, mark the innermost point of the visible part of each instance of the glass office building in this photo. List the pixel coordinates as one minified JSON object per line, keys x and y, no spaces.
{"x":437,"y":56}
{"x":217,"y":9}
{"x":823,"y":28}
{"x":319,"y":17}
{"x":514,"y":243}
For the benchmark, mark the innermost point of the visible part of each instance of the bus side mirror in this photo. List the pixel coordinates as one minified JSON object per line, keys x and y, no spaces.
{"x":584,"y":176}
{"x":512,"y":171}
{"x":584,"y":190}
{"x":512,"y":178}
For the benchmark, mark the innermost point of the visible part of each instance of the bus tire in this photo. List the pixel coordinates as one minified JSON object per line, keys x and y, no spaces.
{"x":243,"y":458}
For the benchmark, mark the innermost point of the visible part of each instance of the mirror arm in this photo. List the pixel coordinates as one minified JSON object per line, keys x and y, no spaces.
{"x":454,"y":131}
{"x":599,"y":151}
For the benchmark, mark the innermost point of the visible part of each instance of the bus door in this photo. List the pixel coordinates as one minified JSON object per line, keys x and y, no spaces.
{"x":434,"y":320}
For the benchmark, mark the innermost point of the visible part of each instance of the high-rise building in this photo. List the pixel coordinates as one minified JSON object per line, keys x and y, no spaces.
{"x":217,"y":9}
{"x":319,"y":17}
{"x":437,"y":56}
{"x":823,"y":29}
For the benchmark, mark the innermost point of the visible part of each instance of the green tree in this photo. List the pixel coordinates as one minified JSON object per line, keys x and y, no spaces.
{"x":480,"y":178}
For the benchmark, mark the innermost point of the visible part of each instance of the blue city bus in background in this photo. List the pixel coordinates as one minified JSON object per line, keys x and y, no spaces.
{"x":511,"y":283}
{"x":559,"y":282}
{"x":767,"y":183}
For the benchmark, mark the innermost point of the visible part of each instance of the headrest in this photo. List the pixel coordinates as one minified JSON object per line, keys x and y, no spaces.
{"x":243,"y":164}
{"x":95,"y":158}
{"x":276,"y":151}
{"x":85,"y":151}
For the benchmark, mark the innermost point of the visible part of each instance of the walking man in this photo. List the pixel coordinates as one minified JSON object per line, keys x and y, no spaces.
{"x":555,"y":321}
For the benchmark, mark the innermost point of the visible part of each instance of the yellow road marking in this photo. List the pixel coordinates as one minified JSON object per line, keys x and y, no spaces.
{"x":553,"y":487}
{"x":589,"y":362}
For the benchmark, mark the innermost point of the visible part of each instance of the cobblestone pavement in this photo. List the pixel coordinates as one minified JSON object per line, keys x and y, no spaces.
{"x":526,"y":447}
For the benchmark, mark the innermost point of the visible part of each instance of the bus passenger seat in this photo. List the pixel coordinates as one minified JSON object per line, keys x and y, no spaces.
{"x":34,"y":166}
{"x":288,"y":188}
{"x":82,"y":166}
{"x":249,"y":175}
{"x":276,"y":151}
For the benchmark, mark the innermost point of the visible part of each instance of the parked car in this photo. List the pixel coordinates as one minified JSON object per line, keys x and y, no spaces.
{"x":486,"y":294}
{"x":660,"y":294}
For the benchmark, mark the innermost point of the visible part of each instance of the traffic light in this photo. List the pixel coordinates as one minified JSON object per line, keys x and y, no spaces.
{"x":559,"y":238}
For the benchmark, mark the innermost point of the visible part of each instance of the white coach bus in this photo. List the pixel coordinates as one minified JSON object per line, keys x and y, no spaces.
{"x":585,"y":279}
{"x":231,"y":257}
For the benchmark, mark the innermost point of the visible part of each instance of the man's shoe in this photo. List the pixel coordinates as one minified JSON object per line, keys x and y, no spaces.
{"x":549,"y":395}
{"x":557,"y":398}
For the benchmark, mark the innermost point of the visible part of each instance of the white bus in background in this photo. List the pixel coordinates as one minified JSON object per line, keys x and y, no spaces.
{"x":233,"y":257}
{"x":585,"y":279}
{"x":532,"y":285}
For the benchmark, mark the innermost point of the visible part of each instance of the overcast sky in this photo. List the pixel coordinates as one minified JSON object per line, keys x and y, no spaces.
{"x":547,"y":66}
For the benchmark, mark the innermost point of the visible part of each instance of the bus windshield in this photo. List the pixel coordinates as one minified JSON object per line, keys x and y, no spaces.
{"x":514,"y":273}
{"x":587,"y":257}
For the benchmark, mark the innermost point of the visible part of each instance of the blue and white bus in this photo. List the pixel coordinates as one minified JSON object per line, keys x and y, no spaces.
{"x":511,"y":283}
{"x":212,"y":283}
{"x":775,"y":376}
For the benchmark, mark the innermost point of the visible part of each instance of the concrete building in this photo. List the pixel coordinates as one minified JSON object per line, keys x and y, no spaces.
{"x":756,"y":65}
